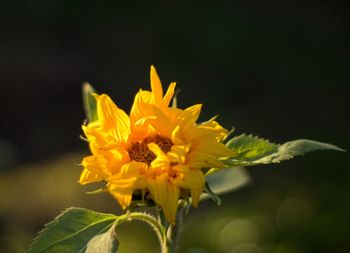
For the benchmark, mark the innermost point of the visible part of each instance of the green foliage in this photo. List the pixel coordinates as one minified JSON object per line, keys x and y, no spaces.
{"x":89,"y":101}
{"x":103,"y":243}
{"x":72,"y":231}
{"x":252,"y":150}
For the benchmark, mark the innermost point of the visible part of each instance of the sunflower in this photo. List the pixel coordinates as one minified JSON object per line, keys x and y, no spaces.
{"x":157,"y":149}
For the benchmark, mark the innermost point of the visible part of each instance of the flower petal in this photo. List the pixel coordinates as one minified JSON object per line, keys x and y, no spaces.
{"x":161,"y":123}
{"x":165,"y":194}
{"x":138,"y":110}
{"x":122,"y":185}
{"x":194,"y":180}
{"x":190,"y":115}
{"x":122,"y":194}
{"x":161,"y":162}
{"x":95,"y":169}
{"x":198,"y":159}
{"x":168,"y":95}
{"x":178,"y":153}
{"x":187,"y":121}
{"x":112,"y":119}
{"x":212,"y":147}
{"x":156,"y":86}
{"x":129,"y":175}
{"x":215,"y":126}
{"x":87,"y":177}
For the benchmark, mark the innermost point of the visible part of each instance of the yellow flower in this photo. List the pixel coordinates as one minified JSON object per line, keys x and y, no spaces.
{"x":157,"y":149}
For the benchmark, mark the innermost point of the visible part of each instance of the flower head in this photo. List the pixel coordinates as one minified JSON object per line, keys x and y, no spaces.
{"x":157,"y":149}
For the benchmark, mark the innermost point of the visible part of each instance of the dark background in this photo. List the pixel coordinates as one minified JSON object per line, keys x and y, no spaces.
{"x":278,"y":69}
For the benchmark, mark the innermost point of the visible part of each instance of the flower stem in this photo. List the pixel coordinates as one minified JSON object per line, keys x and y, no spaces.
{"x":157,"y":227}
{"x":172,"y":241}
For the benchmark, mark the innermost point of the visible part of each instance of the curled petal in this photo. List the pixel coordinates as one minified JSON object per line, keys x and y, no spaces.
{"x":122,"y":185}
{"x":178,"y":153}
{"x":161,"y":162}
{"x":96,"y":164}
{"x":88,"y":176}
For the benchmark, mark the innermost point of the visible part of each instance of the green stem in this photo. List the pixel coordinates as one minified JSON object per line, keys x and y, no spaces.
{"x":168,"y":238}
{"x":173,"y":232}
{"x":157,"y":227}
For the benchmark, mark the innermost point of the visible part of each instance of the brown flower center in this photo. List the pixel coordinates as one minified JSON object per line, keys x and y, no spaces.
{"x":140,"y":152}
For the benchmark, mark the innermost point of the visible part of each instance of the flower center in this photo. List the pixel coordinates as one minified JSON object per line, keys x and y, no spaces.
{"x":140,"y":152}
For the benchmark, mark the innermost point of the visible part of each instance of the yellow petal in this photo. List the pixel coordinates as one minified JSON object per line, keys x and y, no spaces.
{"x":122,"y":194}
{"x":122,"y":184}
{"x":161,"y":123}
{"x":154,"y":117}
{"x":187,"y":122}
{"x":190,"y":178}
{"x":87,"y":177}
{"x":194,"y":180}
{"x":174,"y":114}
{"x":177,"y":136}
{"x":191,"y":114}
{"x":138,"y":110}
{"x":183,"y":169}
{"x":169,"y":95}
{"x":156,"y":87}
{"x":195,"y":195}
{"x":198,"y":159}
{"x":96,"y":165}
{"x":172,"y":199}
{"x":112,"y":119}
{"x":147,"y":119}
{"x":212,"y":147}
{"x":178,"y":153}
{"x":166,"y":195}
{"x":199,"y":131}
{"x":161,"y":161}
{"x":129,"y":176}
{"x":215,"y":126}
{"x":94,"y":134}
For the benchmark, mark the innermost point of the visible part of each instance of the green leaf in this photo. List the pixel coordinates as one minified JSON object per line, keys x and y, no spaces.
{"x":103,"y":243}
{"x":90,"y":104}
{"x":223,"y":181}
{"x":71,"y":231}
{"x":294,"y":148}
{"x":252,"y":150}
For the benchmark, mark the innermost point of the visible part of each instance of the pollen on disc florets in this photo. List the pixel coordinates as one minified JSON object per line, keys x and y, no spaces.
{"x":140,"y":152}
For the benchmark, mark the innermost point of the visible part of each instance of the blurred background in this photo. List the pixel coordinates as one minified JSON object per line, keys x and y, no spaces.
{"x":278,"y":69}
